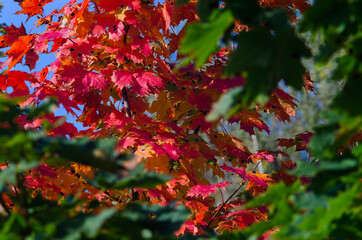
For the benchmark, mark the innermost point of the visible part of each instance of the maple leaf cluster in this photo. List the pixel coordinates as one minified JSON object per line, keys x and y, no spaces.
{"x":113,"y":72}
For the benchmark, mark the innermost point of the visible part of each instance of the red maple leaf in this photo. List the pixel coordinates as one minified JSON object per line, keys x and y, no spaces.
{"x":205,"y":191}
{"x":18,"y":50}
{"x":146,"y":82}
{"x":12,"y":34}
{"x":122,"y":78}
{"x":247,"y":175}
{"x":114,"y":5}
{"x":262,"y":155}
{"x":116,"y":32}
{"x":116,"y":119}
{"x":16,"y":79}
{"x":300,"y":141}
{"x":32,"y":7}
{"x":46,"y":171}
{"x":95,"y":80}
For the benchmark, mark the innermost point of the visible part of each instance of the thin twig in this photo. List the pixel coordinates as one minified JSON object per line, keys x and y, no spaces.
{"x":229,"y":198}
{"x":126,"y":29}
{"x":197,"y":129}
{"x":126,"y":103}
{"x":224,"y":129}
{"x":223,"y":204}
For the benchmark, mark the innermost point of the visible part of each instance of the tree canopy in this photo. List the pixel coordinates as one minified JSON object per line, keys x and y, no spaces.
{"x":155,"y":158}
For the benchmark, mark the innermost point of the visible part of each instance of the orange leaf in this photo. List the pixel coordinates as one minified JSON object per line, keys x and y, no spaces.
{"x":33,"y":7}
{"x":18,"y":50}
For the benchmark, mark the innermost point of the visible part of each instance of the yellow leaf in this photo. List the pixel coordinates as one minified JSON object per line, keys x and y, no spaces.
{"x":161,"y":106}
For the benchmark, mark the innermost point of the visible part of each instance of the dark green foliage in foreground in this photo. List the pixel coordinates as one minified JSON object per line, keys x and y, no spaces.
{"x":329,"y":207}
{"x":38,"y":218}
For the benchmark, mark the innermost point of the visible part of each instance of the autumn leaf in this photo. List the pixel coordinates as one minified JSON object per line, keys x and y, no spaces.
{"x":17,"y":50}
{"x":31,"y":58}
{"x":95,"y":80}
{"x":112,"y":6}
{"x":12,"y":34}
{"x":122,"y":78}
{"x":205,"y":191}
{"x":116,"y":119}
{"x":32,"y":7}
{"x":262,"y":155}
{"x":16,"y":79}
{"x":161,"y":106}
{"x":147,"y":82}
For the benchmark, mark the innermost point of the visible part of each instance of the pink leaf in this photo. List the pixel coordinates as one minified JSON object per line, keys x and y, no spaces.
{"x":262,"y":155}
{"x":46,"y":171}
{"x":146,"y":82}
{"x":171,"y":151}
{"x":116,"y":119}
{"x":40,"y":46}
{"x":204,"y":190}
{"x":246,"y":175}
{"x":122,"y":78}
{"x":116,"y":32}
{"x":239,"y":171}
{"x":54,"y":34}
{"x":95,"y":80}
{"x":126,"y":142}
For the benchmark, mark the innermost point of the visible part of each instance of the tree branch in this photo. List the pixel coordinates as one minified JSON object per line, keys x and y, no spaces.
{"x":126,"y":104}
{"x":229,"y":198}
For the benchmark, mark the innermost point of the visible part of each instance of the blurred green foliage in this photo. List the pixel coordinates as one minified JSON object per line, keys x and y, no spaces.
{"x":34,"y":217}
{"x":326,"y":208}
{"x":329,"y":207}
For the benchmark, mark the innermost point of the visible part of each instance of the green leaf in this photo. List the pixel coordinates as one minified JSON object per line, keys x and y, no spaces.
{"x":320,"y":17}
{"x":265,"y":58}
{"x":205,"y":9}
{"x":337,"y":206}
{"x":48,"y":105}
{"x":138,"y":177}
{"x":224,"y":104}
{"x":349,"y":99}
{"x":310,"y":169}
{"x":9,"y":174}
{"x":202,"y":39}
{"x":166,"y":220}
{"x":83,"y":224}
{"x":274,"y":194}
{"x":96,"y":153}
{"x":321,"y":218}
{"x":247,"y":11}
{"x":94,"y":223}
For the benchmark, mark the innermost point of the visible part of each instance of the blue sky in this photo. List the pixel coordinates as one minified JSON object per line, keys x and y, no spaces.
{"x":9,"y":17}
{"x":7,"y":14}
